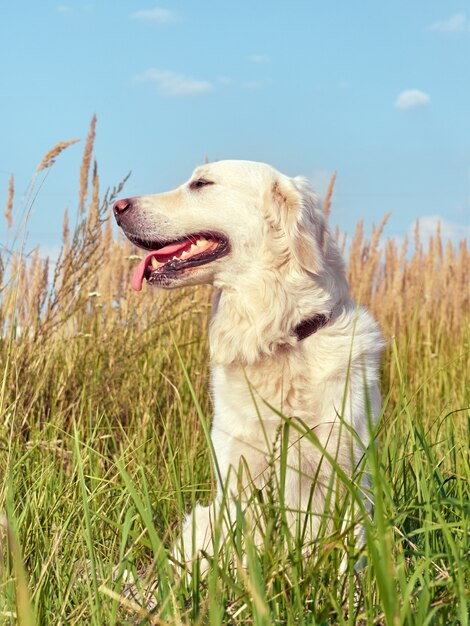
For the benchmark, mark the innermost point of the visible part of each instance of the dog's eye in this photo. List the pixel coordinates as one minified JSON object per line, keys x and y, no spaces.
{"x":200,"y":182}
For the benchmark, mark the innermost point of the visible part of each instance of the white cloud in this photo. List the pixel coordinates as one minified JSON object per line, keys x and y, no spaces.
{"x":174,"y":84}
{"x":412,"y":99}
{"x":428,"y":225}
{"x":225,"y":80}
{"x":156,"y":15}
{"x":257,"y":84}
{"x":66,"y":8}
{"x":259,"y":59}
{"x":454,"y":24}
{"x":449,"y":230}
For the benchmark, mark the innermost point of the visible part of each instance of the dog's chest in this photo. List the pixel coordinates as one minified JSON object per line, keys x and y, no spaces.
{"x":245,"y":395}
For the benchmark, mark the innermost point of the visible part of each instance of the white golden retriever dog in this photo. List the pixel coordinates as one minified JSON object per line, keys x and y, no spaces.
{"x":287,"y":342}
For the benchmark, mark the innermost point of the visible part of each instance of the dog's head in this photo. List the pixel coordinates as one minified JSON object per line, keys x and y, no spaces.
{"x":231,"y":219}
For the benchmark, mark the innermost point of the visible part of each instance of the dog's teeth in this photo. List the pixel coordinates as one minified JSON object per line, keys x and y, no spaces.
{"x":154,"y":262}
{"x":193,"y":247}
{"x":184,"y":254}
{"x":201,"y":242}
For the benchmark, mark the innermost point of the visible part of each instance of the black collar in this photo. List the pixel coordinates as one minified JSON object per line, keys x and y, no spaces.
{"x":311,"y":325}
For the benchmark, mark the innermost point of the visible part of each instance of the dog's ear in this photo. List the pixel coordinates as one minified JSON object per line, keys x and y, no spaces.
{"x":302,"y":221}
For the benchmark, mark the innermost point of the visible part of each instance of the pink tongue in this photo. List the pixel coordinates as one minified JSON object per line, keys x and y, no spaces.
{"x":138,"y":275}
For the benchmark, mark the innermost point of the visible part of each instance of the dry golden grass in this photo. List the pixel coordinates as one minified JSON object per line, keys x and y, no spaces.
{"x":419,"y":295}
{"x":429,"y":285}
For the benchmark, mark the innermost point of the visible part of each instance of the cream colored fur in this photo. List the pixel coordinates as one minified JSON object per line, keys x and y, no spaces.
{"x":284,"y":267}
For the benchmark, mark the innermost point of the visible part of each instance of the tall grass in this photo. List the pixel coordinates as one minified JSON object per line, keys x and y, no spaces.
{"x":103,"y":414}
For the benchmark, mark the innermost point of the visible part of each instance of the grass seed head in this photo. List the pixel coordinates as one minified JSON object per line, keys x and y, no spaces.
{"x":50,"y":157}
{"x":9,"y":208}
{"x":85,"y":167}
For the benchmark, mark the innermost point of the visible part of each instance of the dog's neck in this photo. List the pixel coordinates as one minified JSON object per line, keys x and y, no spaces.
{"x":251,"y":324}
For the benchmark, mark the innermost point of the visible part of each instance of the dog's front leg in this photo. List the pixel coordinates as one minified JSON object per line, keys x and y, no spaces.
{"x":196,"y":539}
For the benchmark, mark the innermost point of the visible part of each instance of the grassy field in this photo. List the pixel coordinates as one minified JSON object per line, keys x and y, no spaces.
{"x":103,"y":413}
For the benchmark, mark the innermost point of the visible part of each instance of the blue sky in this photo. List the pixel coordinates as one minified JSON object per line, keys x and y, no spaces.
{"x":378,"y":91}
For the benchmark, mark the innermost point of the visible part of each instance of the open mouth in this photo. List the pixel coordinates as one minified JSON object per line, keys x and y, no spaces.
{"x":167,"y":259}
